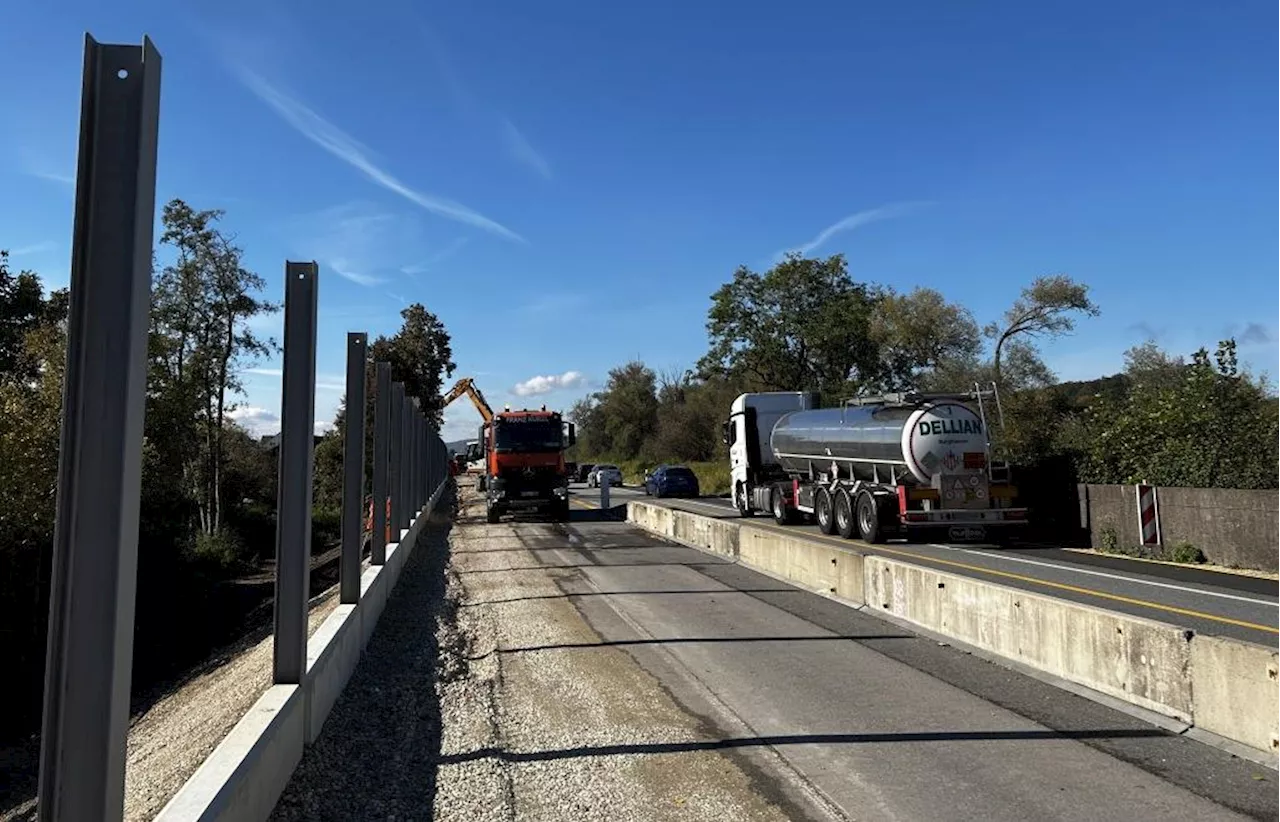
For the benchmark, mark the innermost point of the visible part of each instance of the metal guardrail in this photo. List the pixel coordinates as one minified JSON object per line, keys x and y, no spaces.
{"x":91,"y":612}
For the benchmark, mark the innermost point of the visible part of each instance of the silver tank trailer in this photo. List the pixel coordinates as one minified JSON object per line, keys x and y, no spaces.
{"x":870,"y":440}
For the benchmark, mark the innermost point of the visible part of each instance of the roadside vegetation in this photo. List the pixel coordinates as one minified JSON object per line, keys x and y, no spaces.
{"x":806,"y":324}
{"x":207,"y":529}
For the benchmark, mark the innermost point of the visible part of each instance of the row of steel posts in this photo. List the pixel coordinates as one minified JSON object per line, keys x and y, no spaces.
{"x":95,"y":551}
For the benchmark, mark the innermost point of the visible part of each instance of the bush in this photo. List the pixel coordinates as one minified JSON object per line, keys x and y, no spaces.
{"x":1110,"y":539}
{"x":221,"y":550}
{"x":1185,"y":552}
{"x":326,"y":528}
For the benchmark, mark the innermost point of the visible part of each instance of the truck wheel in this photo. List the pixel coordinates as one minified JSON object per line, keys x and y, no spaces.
{"x":843,"y":506}
{"x":869,"y":520}
{"x":562,"y":511}
{"x":742,"y":502}
{"x":778,"y":501}
{"x":492,"y":514}
{"x":822,"y":511}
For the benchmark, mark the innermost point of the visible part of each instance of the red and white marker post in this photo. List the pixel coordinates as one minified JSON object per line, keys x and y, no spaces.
{"x":1148,"y":514}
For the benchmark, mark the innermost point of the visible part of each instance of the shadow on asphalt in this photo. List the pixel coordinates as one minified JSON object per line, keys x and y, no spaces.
{"x":796,"y":739}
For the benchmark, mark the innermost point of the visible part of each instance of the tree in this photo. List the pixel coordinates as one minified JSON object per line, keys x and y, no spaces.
{"x":1046,"y":308}
{"x":200,"y":342}
{"x":921,"y":332}
{"x":421,"y":357}
{"x":802,"y":325}
{"x":628,"y":408}
{"x":1198,"y":424}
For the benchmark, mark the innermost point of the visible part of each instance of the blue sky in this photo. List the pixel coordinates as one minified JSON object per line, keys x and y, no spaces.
{"x":565,"y":184}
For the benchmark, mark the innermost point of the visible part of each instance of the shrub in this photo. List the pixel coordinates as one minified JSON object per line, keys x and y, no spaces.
{"x":1184,"y":552}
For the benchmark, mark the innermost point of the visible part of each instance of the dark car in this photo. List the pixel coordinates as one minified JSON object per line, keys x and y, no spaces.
{"x":671,"y":481}
{"x":571,"y":470}
{"x":584,"y":468}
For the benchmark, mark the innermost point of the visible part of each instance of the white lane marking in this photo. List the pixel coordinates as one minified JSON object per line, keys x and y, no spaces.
{"x":1089,"y":572}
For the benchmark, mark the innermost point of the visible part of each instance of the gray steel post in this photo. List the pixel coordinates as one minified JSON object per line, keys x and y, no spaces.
{"x":353,"y":469}
{"x":381,"y":435}
{"x":406,"y":464}
{"x":297,"y":444}
{"x":412,"y":457}
{"x":95,"y":544}
{"x":419,"y":464}
{"x":394,"y":442}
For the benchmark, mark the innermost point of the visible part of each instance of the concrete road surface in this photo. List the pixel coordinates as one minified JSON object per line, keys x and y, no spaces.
{"x":1208,"y":602}
{"x":837,"y":715}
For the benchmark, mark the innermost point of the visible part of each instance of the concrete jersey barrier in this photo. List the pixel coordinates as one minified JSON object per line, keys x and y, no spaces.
{"x":1222,"y":686}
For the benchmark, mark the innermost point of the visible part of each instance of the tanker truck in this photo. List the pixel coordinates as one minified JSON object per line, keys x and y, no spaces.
{"x":907,"y":465}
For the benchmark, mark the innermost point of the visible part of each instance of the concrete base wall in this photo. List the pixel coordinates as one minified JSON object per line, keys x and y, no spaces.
{"x":244,"y":776}
{"x":1139,"y":661}
{"x":1235,"y":688}
{"x":1238,"y":529}
{"x":1224,"y":687}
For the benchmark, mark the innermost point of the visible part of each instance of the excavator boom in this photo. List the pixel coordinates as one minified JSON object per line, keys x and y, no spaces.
{"x":467,"y":386}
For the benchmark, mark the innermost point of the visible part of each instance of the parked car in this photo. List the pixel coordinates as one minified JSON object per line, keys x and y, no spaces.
{"x":584,"y":470}
{"x":604,"y":474}
{"x":671,"y":481}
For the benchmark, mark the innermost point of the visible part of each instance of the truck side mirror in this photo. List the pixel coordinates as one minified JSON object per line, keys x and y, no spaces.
{"x":726,"y":432}
{"x":572,"y":433}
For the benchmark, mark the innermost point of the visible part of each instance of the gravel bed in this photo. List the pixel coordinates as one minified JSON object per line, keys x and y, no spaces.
{"x":173,"y":737}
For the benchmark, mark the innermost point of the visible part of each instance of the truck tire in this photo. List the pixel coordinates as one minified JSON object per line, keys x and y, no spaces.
{"x":842,"y":507}
{"x":562,"y":511}
{"x":869,"y":520}
{"x":824,"y":511}
{"x":778,"y":502}
{"x":742,"y":502}
{"x":491,"y":514}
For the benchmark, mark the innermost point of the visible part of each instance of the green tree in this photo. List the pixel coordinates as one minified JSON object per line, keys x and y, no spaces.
{"x":1196,"y":425}
{"x":628,"y":408}
{"x":200,"y":342}
{"x":1046,"y":308}
{"x":421,"y":357}
{"x":918,"y":334}
{"x":802,"y":325}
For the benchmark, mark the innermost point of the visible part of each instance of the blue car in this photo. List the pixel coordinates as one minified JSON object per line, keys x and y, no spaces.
{"x":671,"y":481}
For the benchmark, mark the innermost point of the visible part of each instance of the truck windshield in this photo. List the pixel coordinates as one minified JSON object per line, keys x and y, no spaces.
{"x":534,"y":435}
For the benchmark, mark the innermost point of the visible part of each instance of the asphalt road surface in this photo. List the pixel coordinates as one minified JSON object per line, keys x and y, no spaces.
{"x":840,"y":715}
{"x":1208,"y":602}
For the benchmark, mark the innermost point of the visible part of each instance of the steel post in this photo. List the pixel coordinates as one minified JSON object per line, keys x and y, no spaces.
{"x":297,"y":444}
{"x":413,"y":459}
{"x":406,"y":457}
{"x":381,"y":436}
{"x":394,"y":444}
{"x":95,"y":543}
{"x":353,"y":469}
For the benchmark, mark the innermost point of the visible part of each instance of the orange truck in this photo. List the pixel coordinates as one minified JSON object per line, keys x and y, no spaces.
{"x":524,"y":463}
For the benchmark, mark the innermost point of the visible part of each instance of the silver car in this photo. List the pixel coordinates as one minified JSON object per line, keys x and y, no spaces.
{"x":604,"y":474}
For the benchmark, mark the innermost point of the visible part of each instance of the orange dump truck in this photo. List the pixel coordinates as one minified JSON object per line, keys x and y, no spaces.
{"x":524,"y":463}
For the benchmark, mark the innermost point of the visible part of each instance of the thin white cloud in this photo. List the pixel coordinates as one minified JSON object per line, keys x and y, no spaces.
{"x":346,"y":148}
{"x":546,"y":384}
{"x":435,"y":259}
{"x":35,"y":248}
{"x":53,"y":177}
{"x":348,"y":271}
{"x":324,"y":382}
{"x":851,"y":222}
{"x":523,"y":151}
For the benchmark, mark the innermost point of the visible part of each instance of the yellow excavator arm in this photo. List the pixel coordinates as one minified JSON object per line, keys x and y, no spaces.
{"x":467,"y":386}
